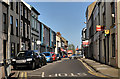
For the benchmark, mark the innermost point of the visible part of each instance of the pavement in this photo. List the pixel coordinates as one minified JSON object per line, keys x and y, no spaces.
{"x":102,"y":68}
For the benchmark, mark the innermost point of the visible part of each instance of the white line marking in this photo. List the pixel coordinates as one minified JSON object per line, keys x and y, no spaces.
{"x":79,"y":74}
{"x":84,"y":74}
{"x":43,"y":74}
{"x":73,"y":74}
{"x":50,"y":75}
{"x":65,"y":74}
{"x":55,"y":75}
{"x":59,"y":75}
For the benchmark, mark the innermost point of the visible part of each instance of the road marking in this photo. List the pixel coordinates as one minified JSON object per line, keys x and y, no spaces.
{"x":55,"y":75}
{"x":65,"y":74}
{"x":21,"y":75}
{"x":59,"y":75}
{"x":50,"y":75}
{"x":17,"y":74}
{"x":25,"y":75}
{"x":84,"y":74}
{"x":86,"y":66}
{"x":43,"y":74}
{"x":96,"y":74}
{"x":91,"y":71}
{"x":73,"y":75}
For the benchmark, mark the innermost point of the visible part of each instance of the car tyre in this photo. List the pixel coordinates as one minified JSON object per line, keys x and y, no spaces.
{"x":40,"y":65}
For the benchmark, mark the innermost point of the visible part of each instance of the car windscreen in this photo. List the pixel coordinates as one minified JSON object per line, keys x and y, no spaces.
{"x":24,"y":54}
{"x":69,"y":53}
{"x":46,"y":54}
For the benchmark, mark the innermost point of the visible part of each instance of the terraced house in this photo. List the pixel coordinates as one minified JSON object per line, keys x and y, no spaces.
{"x":103,"y":45}
{"x":20,"y":30}
{"x":35,"y":26}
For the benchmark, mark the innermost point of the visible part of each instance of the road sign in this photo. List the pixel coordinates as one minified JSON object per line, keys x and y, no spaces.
{"x":107,"y":32}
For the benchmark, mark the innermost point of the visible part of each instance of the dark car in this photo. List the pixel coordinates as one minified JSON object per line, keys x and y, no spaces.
{"x":43,"y":58}
{"x":27,"y":58}
{"x":58,"y":56}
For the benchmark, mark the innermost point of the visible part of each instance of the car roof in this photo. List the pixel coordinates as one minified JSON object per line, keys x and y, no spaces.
{"x":25,"y":50}
{"x":46,"y":52}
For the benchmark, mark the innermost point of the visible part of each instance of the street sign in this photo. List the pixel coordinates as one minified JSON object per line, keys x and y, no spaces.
{"x":107,"y":32}
{"x":85,"y":43}
{"x":98,"y":27}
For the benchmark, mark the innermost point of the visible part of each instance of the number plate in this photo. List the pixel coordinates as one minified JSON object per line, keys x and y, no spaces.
{"x":21,"y":61}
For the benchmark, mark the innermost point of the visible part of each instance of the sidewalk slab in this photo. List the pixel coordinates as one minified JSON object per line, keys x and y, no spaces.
{"x":102,"y":68}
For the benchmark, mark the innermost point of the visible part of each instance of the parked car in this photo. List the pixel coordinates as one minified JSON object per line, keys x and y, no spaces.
{"x":79,"y":56}
{"x":27,"y":58}
{"x":65,"y":55}
{"x":43,"y":58}
{"x":48,"y":56}
{"x":72,"y":57}
{"x":58,"y":56}
{"x":53,"y":56}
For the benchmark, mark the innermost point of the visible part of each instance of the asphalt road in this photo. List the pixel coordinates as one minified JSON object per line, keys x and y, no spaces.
{"x":63,"y":69}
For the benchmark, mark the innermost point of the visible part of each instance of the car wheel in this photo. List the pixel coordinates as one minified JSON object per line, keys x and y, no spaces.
{"x":33,"y":65}
{"x":40,"y":65}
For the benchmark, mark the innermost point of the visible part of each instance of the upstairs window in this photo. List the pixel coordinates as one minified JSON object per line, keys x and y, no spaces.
{"x":11,"y":5}
{"x":4,"y":23}
{"x":11,"y":23}
{"x":113,"y":12}
{"x":16,"y":27}
{"x":17,"y":7}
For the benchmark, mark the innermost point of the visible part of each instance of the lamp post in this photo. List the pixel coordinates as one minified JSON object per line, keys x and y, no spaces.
{"x":38,"y":43}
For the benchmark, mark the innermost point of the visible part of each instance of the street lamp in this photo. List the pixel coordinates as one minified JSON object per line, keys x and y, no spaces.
{"x":38,"y":43}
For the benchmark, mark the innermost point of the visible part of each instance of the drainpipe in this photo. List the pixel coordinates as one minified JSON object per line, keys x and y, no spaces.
{"x":116,"y":31}
{"x":8,"y":68}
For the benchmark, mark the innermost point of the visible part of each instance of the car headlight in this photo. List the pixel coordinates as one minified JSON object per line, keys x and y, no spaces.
{"x":13,"y":59}
{"x":30,"y":59}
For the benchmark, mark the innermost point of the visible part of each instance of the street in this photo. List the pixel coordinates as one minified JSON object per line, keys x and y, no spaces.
{"x":64,"y":68}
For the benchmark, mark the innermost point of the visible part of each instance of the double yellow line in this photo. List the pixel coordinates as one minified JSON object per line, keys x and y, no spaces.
{"x":91,"y":71}
{"x":23,"y":75}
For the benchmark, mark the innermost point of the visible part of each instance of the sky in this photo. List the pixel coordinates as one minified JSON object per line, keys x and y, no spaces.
{"x":65,"y":17}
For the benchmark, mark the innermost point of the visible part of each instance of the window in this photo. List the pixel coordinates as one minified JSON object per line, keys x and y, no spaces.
{"x":32,"y":22}
{"x":4,"y":23}
{"x":11,"y":23}
{"x":18,"y":48}
{"x":21,"y":9}
{"x":35,"y":24}
{"x":113,"y":12}
{"x":16,"y":27}
{"x":11,"y":5}
{"x":28,"y":31}
{"x":113,"y":45}
{"x":17,"y":7}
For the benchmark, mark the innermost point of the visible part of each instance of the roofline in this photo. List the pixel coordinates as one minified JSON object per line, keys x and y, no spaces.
{"x":35,"y":10}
